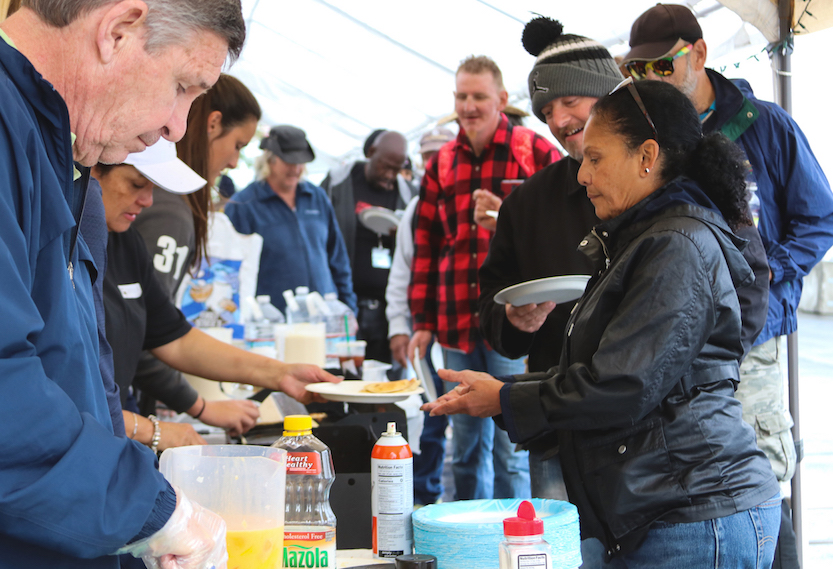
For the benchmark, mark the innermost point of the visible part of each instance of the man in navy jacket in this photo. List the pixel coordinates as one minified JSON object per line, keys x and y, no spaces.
{"x":72,"y":493}
{"x":790,"y":197}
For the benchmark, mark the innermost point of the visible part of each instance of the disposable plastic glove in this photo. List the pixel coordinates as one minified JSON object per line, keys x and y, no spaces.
{"x":193,"y":538}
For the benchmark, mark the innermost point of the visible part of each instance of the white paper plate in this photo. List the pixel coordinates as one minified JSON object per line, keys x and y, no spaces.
{"x":556,"y":289}
{"x":379,"y":219}
{"x":350,"y":391}
{"x":424,"y":375}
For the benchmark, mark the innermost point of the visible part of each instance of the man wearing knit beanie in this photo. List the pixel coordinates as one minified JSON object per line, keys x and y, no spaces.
{"x":542,"y":222}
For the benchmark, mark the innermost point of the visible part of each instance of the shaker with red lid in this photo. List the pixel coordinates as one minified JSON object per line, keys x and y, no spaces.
{"x":523,"y":546}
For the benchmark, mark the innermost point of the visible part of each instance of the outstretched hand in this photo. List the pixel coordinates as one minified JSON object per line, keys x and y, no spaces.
{"x":478,"y":395}
{"x":298,"y":376}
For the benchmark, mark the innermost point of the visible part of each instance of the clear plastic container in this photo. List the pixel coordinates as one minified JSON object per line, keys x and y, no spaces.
{"x":260,"y":324}
{"x":754,"y":201}
{"x":341,"y":323}
{"x":310,"y":530}
{"x":245,"y":486}
{"x":524,"y":546}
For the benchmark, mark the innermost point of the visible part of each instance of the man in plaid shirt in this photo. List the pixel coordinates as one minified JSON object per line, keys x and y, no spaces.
{"x":449,"y":249}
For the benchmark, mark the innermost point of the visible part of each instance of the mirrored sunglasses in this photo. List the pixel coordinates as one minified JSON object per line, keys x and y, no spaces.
{"x":662,"y":67}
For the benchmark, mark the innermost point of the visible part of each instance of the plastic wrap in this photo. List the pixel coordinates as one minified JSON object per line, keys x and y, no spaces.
{"x":193,"y":538}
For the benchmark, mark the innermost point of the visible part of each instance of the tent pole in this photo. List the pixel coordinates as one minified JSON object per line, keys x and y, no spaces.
{"x":783,"y":84}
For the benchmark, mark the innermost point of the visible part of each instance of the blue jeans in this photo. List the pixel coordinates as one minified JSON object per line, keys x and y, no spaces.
{"x":485,"y":464}
{"x":428,"y":464}
{"x":745,"y":540}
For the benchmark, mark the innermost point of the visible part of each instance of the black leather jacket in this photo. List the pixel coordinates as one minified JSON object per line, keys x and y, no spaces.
{"x":643,"y":399}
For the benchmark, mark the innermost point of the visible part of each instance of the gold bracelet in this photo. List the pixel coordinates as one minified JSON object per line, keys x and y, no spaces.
{"x":135,"y":425}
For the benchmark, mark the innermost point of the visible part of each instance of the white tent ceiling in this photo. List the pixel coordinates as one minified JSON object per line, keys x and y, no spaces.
{"x":341,"y":68}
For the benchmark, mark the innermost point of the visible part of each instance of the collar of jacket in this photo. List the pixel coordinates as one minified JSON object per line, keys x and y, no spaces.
{"x":502,"y":135}
{"x":679,"y":198}
{"x":734,"y":112}
{"x":266,"y":192}
{"x":51,"y":111}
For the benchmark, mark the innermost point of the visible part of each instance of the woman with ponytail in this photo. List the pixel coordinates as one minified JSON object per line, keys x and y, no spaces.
{"x":653,"y":446}
{"x":175,"y":228}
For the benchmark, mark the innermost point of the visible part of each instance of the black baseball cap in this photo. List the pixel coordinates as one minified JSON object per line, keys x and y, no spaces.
{"x":289,"y":143}
{"x":655,"y":32}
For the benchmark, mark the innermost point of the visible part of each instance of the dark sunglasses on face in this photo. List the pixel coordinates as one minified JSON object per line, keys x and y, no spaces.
{"x":628,"y":82}
{"x":662,"y":67}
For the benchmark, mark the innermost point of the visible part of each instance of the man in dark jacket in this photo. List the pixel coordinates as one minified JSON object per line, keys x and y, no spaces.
{"x":352,"y":188}
{"x":794,"y":214}
{"x":102,"y":69}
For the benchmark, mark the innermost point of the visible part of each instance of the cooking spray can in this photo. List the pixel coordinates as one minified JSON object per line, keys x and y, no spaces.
{"x":392,"y":494}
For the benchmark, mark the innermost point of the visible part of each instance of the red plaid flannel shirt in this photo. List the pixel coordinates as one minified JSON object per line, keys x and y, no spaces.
{"x":449,"y":246}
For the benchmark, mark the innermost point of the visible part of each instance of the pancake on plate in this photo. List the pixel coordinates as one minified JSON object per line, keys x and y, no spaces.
{"x":391,"y":386}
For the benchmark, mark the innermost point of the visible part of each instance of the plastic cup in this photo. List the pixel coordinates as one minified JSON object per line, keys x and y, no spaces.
{"x":246,"y":486}
{"x":352,"y":350}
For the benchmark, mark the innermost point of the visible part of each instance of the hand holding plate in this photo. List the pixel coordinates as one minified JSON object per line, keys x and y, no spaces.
{"x":529,"y":317}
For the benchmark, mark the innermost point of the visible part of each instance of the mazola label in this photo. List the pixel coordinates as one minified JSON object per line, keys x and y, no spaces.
{"x":313,"y":549}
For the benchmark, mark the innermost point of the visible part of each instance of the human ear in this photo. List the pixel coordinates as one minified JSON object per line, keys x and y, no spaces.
{"x":119,"y":24}
{"x":215,"y":125}
{"x":649,"y":155}
{"x":504,"y":99}
{"x":698,"y":54}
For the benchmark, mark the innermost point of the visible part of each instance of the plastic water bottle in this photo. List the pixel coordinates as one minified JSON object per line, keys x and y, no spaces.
{"x":392,"y":495}
{"x":309,"y":523}
{"x":754,"y":201}
{"x":270,"y":312}
{"x":523,"y":545}
{"x":341,"y":322}
{"x":260,"y":323}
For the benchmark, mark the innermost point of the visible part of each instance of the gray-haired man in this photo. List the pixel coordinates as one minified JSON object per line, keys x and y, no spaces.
{"x":85,"y":82}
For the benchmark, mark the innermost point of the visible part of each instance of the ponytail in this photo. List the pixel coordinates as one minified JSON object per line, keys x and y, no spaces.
{"x":717,"y":165}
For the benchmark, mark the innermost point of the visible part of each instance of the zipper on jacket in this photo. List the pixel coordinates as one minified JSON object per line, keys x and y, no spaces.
{"x":84,"y":181}
{"x":604,"y":247}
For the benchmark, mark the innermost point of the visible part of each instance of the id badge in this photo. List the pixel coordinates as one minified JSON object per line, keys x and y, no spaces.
{"x":380,"y":258}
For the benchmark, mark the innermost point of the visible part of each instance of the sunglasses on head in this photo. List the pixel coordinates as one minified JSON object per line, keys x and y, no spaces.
{"x":628,"y":82}
{"x":663,"y":66}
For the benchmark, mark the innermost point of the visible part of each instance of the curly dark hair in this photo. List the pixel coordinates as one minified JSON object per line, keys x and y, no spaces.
{"x":713,"y":161}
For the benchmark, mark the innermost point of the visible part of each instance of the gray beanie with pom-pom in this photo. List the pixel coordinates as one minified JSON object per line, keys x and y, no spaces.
{"x":567,"y":65}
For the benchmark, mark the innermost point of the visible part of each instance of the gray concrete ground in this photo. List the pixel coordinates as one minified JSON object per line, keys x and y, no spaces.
{"x":815,"y":354}
{"x":815,"y":357}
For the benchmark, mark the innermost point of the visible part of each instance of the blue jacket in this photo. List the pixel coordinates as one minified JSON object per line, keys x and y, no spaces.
{"x":796,"y":215}
{"x":300,"y":248}
{"x":69,"y":489}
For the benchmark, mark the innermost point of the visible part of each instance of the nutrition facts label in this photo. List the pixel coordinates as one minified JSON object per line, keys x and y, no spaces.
{"x":533,"y":561}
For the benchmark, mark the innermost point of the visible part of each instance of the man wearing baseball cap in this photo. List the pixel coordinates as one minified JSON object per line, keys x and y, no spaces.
{"x":541,"y":224}
{"x":794,"y":215}
{"x":302,"y":244}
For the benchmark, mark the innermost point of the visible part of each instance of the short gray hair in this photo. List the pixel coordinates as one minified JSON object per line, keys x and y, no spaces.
{"x":168,"y":21}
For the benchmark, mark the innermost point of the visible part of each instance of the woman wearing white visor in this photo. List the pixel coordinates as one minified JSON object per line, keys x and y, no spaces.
{"x":141,"y":316}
